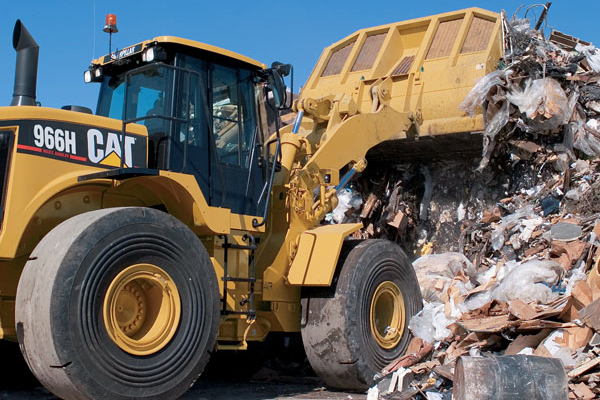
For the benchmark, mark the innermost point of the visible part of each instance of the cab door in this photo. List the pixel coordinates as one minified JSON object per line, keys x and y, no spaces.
{"x":215,"y":136}
{"x":237,"y":180}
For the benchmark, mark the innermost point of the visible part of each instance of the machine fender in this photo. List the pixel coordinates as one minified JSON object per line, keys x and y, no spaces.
{"x":179,"y":192}
{"x":20,"y":213}
{"x":318,"y":253}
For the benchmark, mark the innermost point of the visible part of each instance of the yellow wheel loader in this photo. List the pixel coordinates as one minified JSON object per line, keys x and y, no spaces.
{"x":172,"y":223}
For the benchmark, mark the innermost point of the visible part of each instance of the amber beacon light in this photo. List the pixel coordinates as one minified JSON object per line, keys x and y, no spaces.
{"x":110,"y":27}
{"x":111,"y":24}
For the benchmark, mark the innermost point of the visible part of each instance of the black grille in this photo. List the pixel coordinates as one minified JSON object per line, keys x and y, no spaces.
{"x":6,"y":143}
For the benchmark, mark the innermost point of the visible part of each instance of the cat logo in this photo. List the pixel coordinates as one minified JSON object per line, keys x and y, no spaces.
{"x":110,"y":153}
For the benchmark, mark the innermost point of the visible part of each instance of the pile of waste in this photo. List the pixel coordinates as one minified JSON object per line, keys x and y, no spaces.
{"x":508,"y":242}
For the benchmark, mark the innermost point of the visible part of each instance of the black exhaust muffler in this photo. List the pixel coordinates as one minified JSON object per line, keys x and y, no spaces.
{"x":26,"y":69}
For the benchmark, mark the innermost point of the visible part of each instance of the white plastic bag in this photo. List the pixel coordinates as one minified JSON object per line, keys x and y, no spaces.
{"x":529,"y":282}
{"x":492,"y":277}
{"x":347,"y":199}
{"x":435,"y":272}
{"x":430,"y":324}
{"x":445,"y":264}
{"x":541,"y":96}
{"x":592,"y":55}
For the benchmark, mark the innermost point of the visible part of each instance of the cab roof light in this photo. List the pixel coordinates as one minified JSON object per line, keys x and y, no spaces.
{"x":154,"y":53}
{"x":93,"y":74}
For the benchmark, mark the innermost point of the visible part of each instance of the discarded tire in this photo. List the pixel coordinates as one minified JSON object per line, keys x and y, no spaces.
{"x":510,"y":377}
{"x":119,"y":303}
{"x":352,"y":333}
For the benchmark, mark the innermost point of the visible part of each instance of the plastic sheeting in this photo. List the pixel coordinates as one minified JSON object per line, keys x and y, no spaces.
{"x":592,"y":55}
{"x":530,"y":282}
{"x":498,"y":236}
{"x":541,"y":97}
{"x":583,"y":139}
{"x":498,"y":122}
{"x":436,"y":272}
{"x":479,"y":92}
{"x":347,"y":199}
{"x":430,"y":323}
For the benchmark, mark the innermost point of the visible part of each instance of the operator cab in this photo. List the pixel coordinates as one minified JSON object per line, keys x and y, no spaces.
{"x":202,"y":108}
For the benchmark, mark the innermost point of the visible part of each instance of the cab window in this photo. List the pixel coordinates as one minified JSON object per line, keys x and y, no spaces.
{"x":146,"y":93}
{"x":234,"y":121}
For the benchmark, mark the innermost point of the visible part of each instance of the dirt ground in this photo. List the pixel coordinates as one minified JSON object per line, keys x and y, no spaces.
{"x":292,"y":388}
{"x":287,"y":376}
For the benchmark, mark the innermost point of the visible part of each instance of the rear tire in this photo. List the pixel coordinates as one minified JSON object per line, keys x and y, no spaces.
{"x":362,"y":325}
{"x":118,"y":303}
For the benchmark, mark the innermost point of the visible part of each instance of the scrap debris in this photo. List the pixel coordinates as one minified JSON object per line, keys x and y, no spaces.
{"x":508,"y":241}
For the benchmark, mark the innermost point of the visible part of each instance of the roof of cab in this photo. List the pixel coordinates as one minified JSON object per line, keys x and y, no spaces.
{"x":184,"y":42}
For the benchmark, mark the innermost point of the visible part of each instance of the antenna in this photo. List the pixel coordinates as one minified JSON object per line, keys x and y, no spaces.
{"x":110,"y":27}
{"x":94,"y":29}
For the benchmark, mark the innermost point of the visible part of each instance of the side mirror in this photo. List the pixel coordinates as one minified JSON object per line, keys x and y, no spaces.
{"x":276,"y":85}
{"x":283,"y":69}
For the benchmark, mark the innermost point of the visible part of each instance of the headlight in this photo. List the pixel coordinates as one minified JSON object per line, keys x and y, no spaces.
{"x":93,"y":74}
{"x":154,"y":53}
{"x":148,"y":55}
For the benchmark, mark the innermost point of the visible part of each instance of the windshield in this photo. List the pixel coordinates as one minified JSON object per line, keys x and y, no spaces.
{"x":147,"y":93}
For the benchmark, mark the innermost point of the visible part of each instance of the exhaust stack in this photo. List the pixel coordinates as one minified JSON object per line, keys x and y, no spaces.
{"x":26,"y":68}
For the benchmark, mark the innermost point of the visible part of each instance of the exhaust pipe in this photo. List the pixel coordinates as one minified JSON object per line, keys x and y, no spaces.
{"x":26,"y":68}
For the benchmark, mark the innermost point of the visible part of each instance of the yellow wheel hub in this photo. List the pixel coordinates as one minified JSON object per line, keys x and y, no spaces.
{"x":387,"y":315}
{"x":142,"y":309}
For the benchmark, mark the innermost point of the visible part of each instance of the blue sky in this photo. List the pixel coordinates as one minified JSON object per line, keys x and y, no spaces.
{"x":69,"y":32}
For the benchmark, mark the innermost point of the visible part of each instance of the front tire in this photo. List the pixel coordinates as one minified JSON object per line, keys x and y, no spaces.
{"x":359,"y":328}
{"x":118,"y":303}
